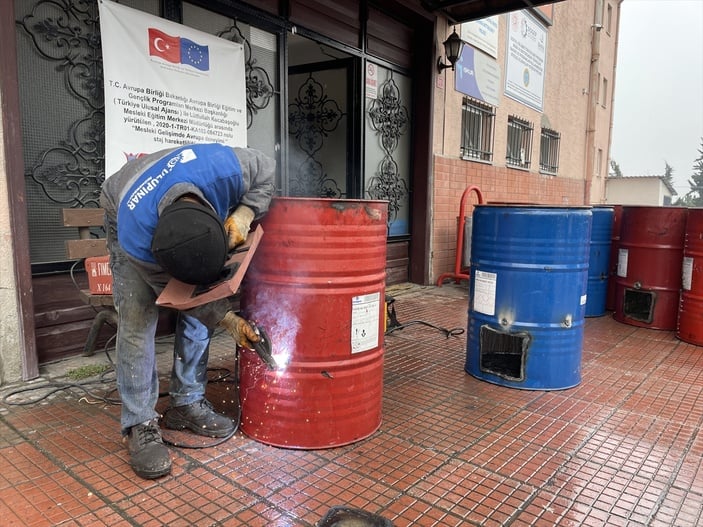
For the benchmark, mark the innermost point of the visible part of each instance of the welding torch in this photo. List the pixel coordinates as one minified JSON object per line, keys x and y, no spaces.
{"x":251,"y":335}
{"x":263,"y":347}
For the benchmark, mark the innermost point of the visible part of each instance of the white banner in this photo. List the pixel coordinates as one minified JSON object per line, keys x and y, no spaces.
{"x":525,"y":59}
{"x":166,"y":85}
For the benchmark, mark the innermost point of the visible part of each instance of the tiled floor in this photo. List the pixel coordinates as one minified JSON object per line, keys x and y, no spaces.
{"x":624,"y":447}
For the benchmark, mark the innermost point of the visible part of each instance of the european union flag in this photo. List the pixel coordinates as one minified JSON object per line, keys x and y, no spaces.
{"x":195,"y":55}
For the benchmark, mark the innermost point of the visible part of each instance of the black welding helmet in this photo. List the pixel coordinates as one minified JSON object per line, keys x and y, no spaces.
{"x":190,"y":243}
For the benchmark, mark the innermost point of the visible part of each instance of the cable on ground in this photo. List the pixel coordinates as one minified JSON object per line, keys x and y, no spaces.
{"x":394,"y":325}
{"x":88,"y":387}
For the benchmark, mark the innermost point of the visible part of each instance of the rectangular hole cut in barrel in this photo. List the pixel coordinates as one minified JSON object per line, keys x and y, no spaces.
{"x":504,"y":354}
{"x":639,"y":305}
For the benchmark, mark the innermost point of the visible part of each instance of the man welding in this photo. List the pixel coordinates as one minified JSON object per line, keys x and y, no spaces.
{"x":177,"y":213}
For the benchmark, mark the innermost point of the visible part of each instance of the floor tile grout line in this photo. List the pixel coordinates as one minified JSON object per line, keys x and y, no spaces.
{"x":672,"y":479}
{"x":570,"y":456}
{"x":443,"y":465}
{"x":266,"y":501}
{"x":677,"y":444}
{"x":607,"y":419}
{"x":112,"y":504}
{"x":454,"y":456}
{"x":70,"y":472}
{"x":435,"y":507}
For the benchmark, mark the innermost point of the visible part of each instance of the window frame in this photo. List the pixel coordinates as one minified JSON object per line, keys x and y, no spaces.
{"x":609,"y":19}
{"x":479,"y":118}
{"x":520,"y":132}
{"x":549,"y":146}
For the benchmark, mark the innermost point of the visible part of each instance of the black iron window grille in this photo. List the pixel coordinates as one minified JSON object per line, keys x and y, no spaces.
{"x":549,"y":151}
{"x":65,"y":158}
{"x":389,"y":119}
{"x":312,"y":116}
{"x":477,"y":130}
{"x":259,"y":88}
{"x":519,"y":149}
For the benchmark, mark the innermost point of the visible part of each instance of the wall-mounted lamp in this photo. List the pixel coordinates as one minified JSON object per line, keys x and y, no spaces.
{"x":452,"y":49}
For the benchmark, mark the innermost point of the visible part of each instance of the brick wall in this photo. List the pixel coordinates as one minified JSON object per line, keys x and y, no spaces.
{"x":497,"y":184}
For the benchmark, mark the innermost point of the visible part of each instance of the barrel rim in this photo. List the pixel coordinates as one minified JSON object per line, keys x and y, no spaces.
{"x":327,"y":200}
{"x":657,"y":207}
{"x":532,"y":206}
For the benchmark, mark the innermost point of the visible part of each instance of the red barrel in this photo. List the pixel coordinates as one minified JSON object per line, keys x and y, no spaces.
{"x":317,"y":285}
{"x":650,"y":256}
{"x":614,"y":248}
{"x":690,"y":326}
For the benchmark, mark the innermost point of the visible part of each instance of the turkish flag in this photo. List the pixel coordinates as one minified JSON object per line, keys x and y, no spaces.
{"x":164,"y":46}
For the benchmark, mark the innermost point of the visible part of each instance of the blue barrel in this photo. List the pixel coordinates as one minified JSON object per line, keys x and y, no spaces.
{"x":599,"y":260}
{"x":527,"y":295}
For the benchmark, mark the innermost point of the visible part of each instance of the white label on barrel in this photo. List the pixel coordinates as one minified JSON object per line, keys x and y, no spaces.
{"x":687,"y":272}
{"x":485,"y":292}
{"x":622,"y":263}
{"x":364,"y":322}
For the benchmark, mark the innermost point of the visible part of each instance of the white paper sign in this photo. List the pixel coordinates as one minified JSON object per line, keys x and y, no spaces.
{"x":687,"y":272}
{"x":485,"y":292}
{"x":371,"y":81}
{"x":365,"y":319}
{"x":622,"y":263}
{"x":167,"y":85}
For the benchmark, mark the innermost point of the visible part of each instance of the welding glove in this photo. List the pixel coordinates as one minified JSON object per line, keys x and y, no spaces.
{"x":237,"y":225}
{"x":241,"y":331}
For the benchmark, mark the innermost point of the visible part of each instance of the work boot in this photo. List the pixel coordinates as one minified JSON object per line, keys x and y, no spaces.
{"x":200,"y":418}
{"x":148,"y":455}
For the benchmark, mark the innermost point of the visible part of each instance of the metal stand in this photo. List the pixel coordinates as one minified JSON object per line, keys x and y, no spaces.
{"x":106,"y":316}
{"x":457,"y":275}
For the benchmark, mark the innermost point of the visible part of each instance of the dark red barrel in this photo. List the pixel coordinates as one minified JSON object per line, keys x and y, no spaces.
{"x":614,"y":248}
{"x":650,"y":256}
{"x":690,"y":325}
{"x":317,"y":285}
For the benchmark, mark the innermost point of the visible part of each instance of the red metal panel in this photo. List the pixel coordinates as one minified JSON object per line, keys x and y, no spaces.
{"x":317,"y":284}
{"x":690,"y":324}
{"x":649,"y":266}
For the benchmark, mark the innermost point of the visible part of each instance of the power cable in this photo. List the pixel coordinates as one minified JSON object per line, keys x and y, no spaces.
{"x":87,"y":388}
{"x":394,"y":325}
{"x":453,"y":332}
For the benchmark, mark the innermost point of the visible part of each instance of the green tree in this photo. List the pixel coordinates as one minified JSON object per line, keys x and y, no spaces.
{"x":614,"y":169}
{"x":694,"y":197}
{"x":668,"y":173}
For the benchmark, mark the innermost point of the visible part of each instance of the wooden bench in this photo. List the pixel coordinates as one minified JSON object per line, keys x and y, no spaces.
{"x":86,"y":246}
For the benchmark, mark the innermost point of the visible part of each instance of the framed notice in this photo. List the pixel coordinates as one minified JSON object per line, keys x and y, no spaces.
{"x":526,"y":57}
{"x":482,"y":34}
{"x":478,"y":76}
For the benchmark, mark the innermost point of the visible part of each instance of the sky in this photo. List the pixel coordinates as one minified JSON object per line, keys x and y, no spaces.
{"x":658,"y":108}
